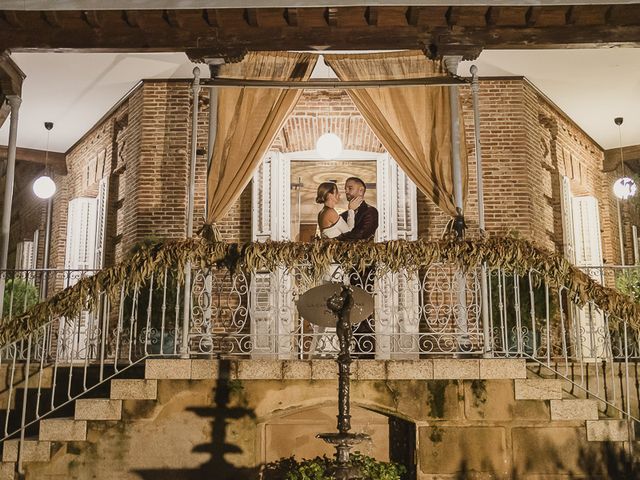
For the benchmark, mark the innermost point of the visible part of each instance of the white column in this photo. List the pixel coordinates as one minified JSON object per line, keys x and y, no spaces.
{"x":14,"y":103}
{"x":186,"y":311}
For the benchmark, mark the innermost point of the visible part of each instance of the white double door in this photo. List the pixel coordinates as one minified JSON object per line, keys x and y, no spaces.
{"x":84,"y":252}
{"x":274,"y":319}
{"x":583,"y":247}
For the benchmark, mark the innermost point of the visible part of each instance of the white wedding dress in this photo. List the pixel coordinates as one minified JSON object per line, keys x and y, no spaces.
{"x":324,"y":340}
{"x":340,"y":226}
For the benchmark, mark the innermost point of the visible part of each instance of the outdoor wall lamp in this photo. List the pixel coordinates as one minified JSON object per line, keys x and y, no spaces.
{"x":44,"y":187}
{"x":624,"y":187}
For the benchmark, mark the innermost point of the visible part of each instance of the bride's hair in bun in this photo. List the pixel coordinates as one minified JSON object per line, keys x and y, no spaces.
{"x":324,"y":189}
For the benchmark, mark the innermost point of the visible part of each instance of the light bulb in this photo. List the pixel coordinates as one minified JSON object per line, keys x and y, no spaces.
{"x":44,"y":187}
{"x":329,"y":146}
{"x":624,"y":188}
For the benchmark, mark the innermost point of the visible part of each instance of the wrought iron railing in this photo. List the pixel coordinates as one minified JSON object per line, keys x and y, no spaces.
{"x":439,"y":309}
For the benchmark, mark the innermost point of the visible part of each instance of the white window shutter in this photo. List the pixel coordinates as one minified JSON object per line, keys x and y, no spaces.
{"x":566,"y":206}
{"x":81,"y":237}
{"x":80,"y":255}
{"x":101,"y":222}
{"x":25,"y":255}
{"x":270,"y":302}
{"x":588,"y":252}
{"x":586,"y":228}
{"x":396,"y":295}
{"x":261,"y":203}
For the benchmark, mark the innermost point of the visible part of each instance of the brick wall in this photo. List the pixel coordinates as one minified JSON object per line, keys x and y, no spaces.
{"x":527,"y":144}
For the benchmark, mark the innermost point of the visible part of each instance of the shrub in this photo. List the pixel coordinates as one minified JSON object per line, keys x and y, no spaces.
{"x":321,"y":468}
{"x":19,"y":296}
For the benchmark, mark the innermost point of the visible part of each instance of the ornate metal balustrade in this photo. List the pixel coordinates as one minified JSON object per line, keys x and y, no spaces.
{"x":439,"y":308}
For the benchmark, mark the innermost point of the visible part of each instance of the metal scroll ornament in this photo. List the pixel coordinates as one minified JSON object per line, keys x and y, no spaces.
{"x":349,"y":306}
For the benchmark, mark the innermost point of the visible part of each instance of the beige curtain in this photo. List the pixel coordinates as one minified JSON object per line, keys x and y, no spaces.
{"x":248,"y":121}
{"x":413,"y":123}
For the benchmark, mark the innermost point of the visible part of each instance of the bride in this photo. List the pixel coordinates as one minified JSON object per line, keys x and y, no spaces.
{"x":330,"y":223}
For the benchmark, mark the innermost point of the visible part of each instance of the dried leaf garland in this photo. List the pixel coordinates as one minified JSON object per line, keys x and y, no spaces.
{"x":154,"y":259}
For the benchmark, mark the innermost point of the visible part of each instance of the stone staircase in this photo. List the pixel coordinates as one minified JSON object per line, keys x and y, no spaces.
{"x":56,"y":434}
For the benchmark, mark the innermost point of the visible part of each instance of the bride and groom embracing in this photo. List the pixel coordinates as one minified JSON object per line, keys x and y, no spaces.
{"x":358,"y":222}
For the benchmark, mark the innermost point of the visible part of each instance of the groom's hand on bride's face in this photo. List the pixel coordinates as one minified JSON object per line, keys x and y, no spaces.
{"x":355,"y":202}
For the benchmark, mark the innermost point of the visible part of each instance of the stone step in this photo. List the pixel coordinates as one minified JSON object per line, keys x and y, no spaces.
{"x":570,"y":409}
{"x":8,"y":471}
{"x":32,"y":451}
{"x":167,"y":369}
{"x":98,"y":409}
{"x":63,"y":430}
{"x":608,"y":431}
{"x":134,"y":389}
{"x":538,"y":389}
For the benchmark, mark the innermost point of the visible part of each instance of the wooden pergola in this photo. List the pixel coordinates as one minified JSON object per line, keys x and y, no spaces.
{"x":444,"y":28}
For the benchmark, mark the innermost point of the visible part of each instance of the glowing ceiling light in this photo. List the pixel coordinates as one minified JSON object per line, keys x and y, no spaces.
{"x":329,"y":146}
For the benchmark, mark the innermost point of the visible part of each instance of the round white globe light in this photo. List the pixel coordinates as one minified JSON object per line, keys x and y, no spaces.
{"x":624,"y":188}
{"x":329,"y":146}
{"x":44,"y":187}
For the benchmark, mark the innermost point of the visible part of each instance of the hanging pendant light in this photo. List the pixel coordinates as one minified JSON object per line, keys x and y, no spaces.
{"x":624,"y":187}
{"x":329,"y":146}
{"x":44,"y":187}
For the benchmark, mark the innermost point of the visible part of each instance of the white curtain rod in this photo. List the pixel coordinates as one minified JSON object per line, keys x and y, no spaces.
{"x":330,"y":84}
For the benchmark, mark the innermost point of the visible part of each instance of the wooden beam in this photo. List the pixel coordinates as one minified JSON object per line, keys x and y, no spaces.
{"x":57,"y":161}
{"x":11,"y":77}
{"x":224,"y":32}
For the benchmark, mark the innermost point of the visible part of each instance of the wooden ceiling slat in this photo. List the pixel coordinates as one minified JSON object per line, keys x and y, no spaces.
{"x":468,"y":16}
{"x":210,"y":16}
{"x":392,"y":17}
{"x":552,"y":16}
{"x":624,"y":14}
{"x":231,"y":18}
{"x":250,"y":16}
{"x":311,"y":18}
{"x":291,"y":16}
{"x":271,"y":17}
{"x":507,"y":16}
{"x":350,"y":17}
{"x":589,"y":14}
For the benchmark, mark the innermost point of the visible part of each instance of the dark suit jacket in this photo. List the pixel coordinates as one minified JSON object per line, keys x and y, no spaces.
{"x":365,"y":226}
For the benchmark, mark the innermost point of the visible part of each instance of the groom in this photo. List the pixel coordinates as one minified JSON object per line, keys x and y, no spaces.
{"x":366,"y":218}
{"x":365,"y":225}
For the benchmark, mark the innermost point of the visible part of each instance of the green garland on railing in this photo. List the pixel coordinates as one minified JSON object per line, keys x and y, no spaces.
{"x":511,"y":254}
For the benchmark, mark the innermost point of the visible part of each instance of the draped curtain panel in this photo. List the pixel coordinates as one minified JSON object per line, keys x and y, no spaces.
{"x":249,"y":120}
{"x":413,"y":123}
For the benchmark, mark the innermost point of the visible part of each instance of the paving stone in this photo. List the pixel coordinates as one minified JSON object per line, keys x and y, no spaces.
{"x":369,"y":369}
{"x":607,"y":431}
{"x":32,"y":451}
{"x":538,"y":389}
{"x":410,"y":370}
{"x":296,"y":370}
{"x":502,"y":368}
{"x":98,"y":409}
{"x":324,"y":370}
{"x":259,"y":370}
{"x":204,"y":369}
{"x":63,"y":430}
{"x":578,"y":409}
{"x":134,"y":389}
{"x":455,"y":369}
{"x":168,"y":369}
{"x":8,"y":471}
